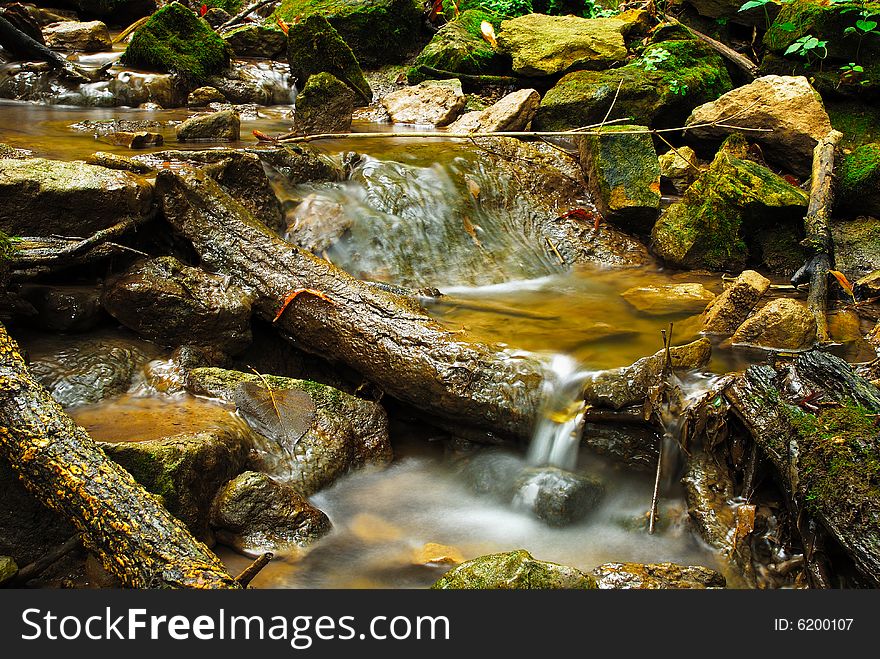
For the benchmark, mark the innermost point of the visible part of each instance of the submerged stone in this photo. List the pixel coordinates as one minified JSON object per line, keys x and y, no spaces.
{"x":515,"y":570}
{"x":555,"y":496}
{"x":223,"y":126}
{"x":669,"y":298}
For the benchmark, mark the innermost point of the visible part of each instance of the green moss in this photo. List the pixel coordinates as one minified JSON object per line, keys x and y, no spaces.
{"x":859,"y":122}
{"x":860,"y":170}
{"x":230,"y":6}
{"x":378,"y":31}
{"x":513,"y":570}
{"x":7,"y":246}
{"x":825,"y":21}
{"x":175,"y":40}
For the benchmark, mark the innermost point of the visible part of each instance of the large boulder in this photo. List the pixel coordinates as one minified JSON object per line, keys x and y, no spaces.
{"x":664,"y":299}
{"x":788,"y":112}
{"x":858,"y":188}
{"x":223,"y":126}
{"x":515,"y":570}
{"x":783,"y":324}
{"x":253,"y":40}
{"x":656,"y":576}
{"x":623,"y":174}
{"x":254,"y":514}
{"x":459,"y":47}
{"x":712,"y":224}
{"x":203,"y":96}
{"x":89,"y":37}
{"x":185,"y":470}
{"x":378,"y":31}
{"x":433,"y":102}
{"x":541,"y":45}
{"x":300,"y":163}
{"x":657,"y":90}
{"x":313,"y":46}
{"x":65,"y":308}
{"x":173,"y":304}
{"x":325,"y":105}
{"x":512,"y":112}
{"x":175,"y":40}
{"x":48,"y":197}
{"x":857,"y":246}
{"x":346,"y":433}
{"x":725,"y":313}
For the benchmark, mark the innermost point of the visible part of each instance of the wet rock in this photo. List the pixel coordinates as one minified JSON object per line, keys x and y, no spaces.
{"x":436,"y":554}
{"x":786,"y":105}
{"x":300,"y":163}
{"x":783,"y":324}
{"x":173,"y":304}
{"x":868,"y":286}
{"x":511,"y":113}
{"x":313,"y":46}
{"x":727,"y":311}
{"x":65,"y":308}
{"x":21,"y":18}
{"x":90,"y":37}
{"x":256,"y":41}
{"x":318,"y":223}
{"x":258,"y":83}
{"x":347,"y":433}
{"x":734,"y":198}
{"x":41,"y":197}
{"x":680,"y":166}
{"x":240,"y":173}
{"x":255,"y":514}
{"x":542,"y":45}
{"x":217,"y":16}
{"x":656,"y":576}
{"x":201,"y":97}
{"x":669,"y":298}
{"x":634,"y":445}
{"x":115,"y":161}
{"x":623,"y":175}
{"x":857,"y":246}
{"x":325,"y":105}
{"x":106,"y":128}
{"x":185,"y":470}
{"x":492,"y":473}
{"x":8,"y":569}
{"x":91,"y":370}
{"x":11,"y":153}
{"x":459,"y":47}
{"x":513,"y":570}
{"x":555,"y":496}
{"x":379,"y":32}
{"x":858,"y":190}
{"x":628,"y":385}
{"x":222,"y":126}
{"x":140,"y":140}
{"x":709,"y":490}
{"x":660,"y":96}
{"x":433,"y":102}
{"x":175,"y":40}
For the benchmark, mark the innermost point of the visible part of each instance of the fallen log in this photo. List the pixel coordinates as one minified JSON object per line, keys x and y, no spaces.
{"x":21,"y":45}
{"x":824,"y":459}
{"x":126,"y":528}
{"x":740,"y":61}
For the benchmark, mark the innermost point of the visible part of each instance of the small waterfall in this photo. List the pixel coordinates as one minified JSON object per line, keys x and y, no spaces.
{"x":558,"y":432}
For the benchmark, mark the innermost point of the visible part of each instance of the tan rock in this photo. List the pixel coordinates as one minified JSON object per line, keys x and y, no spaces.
{"x":681,"y":166}
{"x":725,"y":313}
{"x":782,"y":323}
{"x":669,"y":298}
{"x":653,"y":576}
{"x":844,"y":326}
{"x":433,"y":102}
{"x":373,"y":529}
{"x":436,"y":554}
{"x":136,"y":140}
{"x":512,"y":112}
{"x":786,"y":105}
{"x":90,"y":37}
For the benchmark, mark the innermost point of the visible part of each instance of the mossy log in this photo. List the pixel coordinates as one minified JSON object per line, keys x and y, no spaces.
{"x":825,"y":460}
{"x":136,"y":539}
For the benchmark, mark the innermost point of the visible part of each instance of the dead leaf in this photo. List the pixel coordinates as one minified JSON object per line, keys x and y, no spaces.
{"x":488,"y":33}
{"x":745,"y":521}
{"x":282,"y":415}
{"x":844,"y":283}
{"x":299,"y":291}
{"x":284,"y":27}
{"x":471,"y":230}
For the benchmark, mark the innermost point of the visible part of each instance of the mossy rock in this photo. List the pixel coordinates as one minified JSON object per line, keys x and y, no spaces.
{"x":325,"y":105}
{"x":515,"y":570}
{"x":8,"y":569}
{"x":732,"y":199}
{"x":623,"y":173}
{"x":378,"y":31}
{"x":175,"y":40}
{"x":256,"y":41}
{"x":859,"y":121}
{"x":859,"y":181}
{"x":684,"y":74}
{"x":856,"y":246}
{"x":458,"y":47}
{"x":314,"y":46}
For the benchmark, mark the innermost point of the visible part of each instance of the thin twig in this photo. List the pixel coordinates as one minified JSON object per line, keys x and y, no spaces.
{"x":611,"y":107}
{"x":45,"y":561}
{"x":556,"y":251}
{"x":678,"y":153}
{"x":243,"y":14}
{"x":254,"y":569}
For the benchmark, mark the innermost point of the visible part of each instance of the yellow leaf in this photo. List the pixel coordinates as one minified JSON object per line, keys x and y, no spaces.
{"x":844,"y":283}
{"x":488,"y":33}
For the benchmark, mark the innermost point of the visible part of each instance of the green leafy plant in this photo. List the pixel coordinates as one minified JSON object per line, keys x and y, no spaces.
{"x":851,"y":74}
{"x":810,"y":48}
{"x":678,"y":87}
{"x":652,"y":58}
{"x":865,"y":26}
{"x":7,"y":246}
{"x":752,"y":4}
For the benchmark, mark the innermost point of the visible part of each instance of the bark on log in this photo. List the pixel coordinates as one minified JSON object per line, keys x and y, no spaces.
{"x":135,"y":538}
{"x":21,"y":45}
{"x":387,"y":338}
{"x":832,"y":485}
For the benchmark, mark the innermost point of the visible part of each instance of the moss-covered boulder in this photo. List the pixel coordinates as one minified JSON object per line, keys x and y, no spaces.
{"x":175,"y":40}
{"x":658,"y":89}
{"x":623,"y":172}
{"x":8,"y":569}
{"x":654,"y":576}
{"x":515,"y":570}
{"x":254,"y":514}
{"x":325,"y":105}
{"x":458,"y":47}
{"x":734,"y":198}
{"x":185,"y":470}
{"x":314,"y":46}
{"x":378,"y":31}
{"x":256,"y":41}
{"x":858,"y":188}
{"x":541,"y":45}
{"x":857,"y":246}
{"x":346,"y":433}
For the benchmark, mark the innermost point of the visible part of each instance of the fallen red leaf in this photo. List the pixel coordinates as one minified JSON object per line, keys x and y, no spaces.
{"x":203,"y":10}
{"x":284,"y":27}
{"x":263,"y":137}
{"x":298,"y":291}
